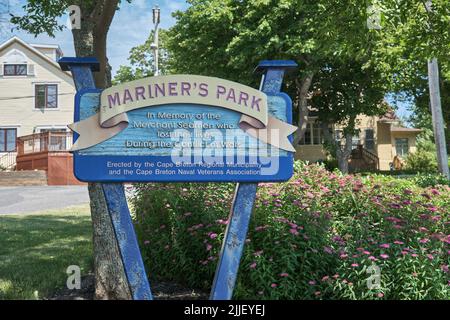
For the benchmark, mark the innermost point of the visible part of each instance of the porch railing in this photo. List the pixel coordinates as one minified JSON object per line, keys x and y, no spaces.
{"x":362,"y":153}
{"x":44,"y":142}
{"x":372,"y":156}
{"x":8,"y":161}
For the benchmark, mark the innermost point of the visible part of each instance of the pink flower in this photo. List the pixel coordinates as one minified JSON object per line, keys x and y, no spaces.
{"x":398,"y":242}
{"x":284,"y":274}
{"x":354,"y":265}
{"x":325,"y":278}
{"x":385,"y":245}
{"x":380,"y":295}
{"x":445,"y":268}
{"x":366,"y":252}
{"x":424,"y":240}
{"x":430,"y":256}
{"x":146,"y":242}
{"x":213,"y":235}
{"x":317,"y":293}
{"x":328,"y":250}
{"x":372,"y":258}
{"x":273,"y":285}
{"x":258,"y":253}
{"x":414,"y":255}
{"x":208,"y":247}
{"x":312,"y":282}
{"x":253,"y":265}
{"x":294,"y":232}
{"x":384,"y":256}
{"x":435,"y":192}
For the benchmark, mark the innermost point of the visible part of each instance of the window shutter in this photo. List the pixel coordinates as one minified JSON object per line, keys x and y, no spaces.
{"x":1,"y":69}
{"x":31,"y":70}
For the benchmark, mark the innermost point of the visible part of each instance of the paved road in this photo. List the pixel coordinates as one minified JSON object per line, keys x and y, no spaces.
{"x":32,"y":199}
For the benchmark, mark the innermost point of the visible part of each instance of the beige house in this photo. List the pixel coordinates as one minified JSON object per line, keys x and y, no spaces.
{"x":380,"y":142}
{"x":36,"y":96}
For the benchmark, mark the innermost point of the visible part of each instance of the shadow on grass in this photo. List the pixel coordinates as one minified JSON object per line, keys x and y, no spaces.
{"x":35,"y":251}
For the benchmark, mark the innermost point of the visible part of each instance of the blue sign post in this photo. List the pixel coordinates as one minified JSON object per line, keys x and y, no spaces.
{"x":182,"y":128}
{"x":244,"y":199}
{"x":116,"y":202}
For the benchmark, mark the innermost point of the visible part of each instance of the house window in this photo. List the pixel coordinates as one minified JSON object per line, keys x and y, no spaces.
{"x":401,"y":146}
{"x":8,"y":138}
{"x":15,"y":70}
{"x":46,"y":96}
{"x":317,"y":134}
{"x":355,"y":141}
{"x":369,"y":140}
{"x":313,"y":135}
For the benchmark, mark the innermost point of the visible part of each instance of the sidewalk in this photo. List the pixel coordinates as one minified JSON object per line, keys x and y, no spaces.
{"x":15,"y":200}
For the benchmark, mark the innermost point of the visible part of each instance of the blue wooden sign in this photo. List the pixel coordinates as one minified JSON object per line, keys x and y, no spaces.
{"x":209,"y":129}
{"x":182,"y":128}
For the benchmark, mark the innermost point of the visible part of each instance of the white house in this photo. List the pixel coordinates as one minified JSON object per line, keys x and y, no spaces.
{"x":36,"y":96}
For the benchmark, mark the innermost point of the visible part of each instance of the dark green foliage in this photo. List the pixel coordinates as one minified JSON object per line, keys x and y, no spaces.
{"x":310,"y":238}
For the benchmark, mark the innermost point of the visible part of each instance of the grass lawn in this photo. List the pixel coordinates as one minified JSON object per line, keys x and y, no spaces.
{"x":37,"y":248}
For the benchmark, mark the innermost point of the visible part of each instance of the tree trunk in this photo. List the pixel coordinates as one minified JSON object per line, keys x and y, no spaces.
{"x":302,"y":92}
{"x":90,"y":40}
{"x":343,"y":153}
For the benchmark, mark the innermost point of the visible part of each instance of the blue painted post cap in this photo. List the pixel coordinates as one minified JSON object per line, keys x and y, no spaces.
{"x":66,"y":62}
{"x":278,"y":64}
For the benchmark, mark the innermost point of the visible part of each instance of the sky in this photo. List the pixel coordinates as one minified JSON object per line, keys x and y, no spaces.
{"x":131,"y":26}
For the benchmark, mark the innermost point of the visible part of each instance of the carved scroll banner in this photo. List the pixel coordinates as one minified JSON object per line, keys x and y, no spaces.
{"x":182,"y":128}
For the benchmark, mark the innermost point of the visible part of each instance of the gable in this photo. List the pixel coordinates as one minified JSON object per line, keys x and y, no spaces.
{"x":16,"y":51}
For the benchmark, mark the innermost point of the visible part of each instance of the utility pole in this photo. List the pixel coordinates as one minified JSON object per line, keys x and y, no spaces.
{"x":436,"y":111}
{"x":155,"y":45}
{"x":438,"y":120}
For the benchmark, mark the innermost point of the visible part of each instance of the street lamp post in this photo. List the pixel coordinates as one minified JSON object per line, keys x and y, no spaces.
{"x":155,"y":45}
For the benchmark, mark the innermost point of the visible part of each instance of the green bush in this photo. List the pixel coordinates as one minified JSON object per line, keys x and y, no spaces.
{"x":421,"y":161}
{"x":314,"y":237}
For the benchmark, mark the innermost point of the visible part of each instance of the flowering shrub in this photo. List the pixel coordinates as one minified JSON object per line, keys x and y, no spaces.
{"x":322,"y":235}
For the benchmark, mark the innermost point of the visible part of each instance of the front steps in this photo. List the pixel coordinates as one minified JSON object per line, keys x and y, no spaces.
{"x":23,"y":178}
